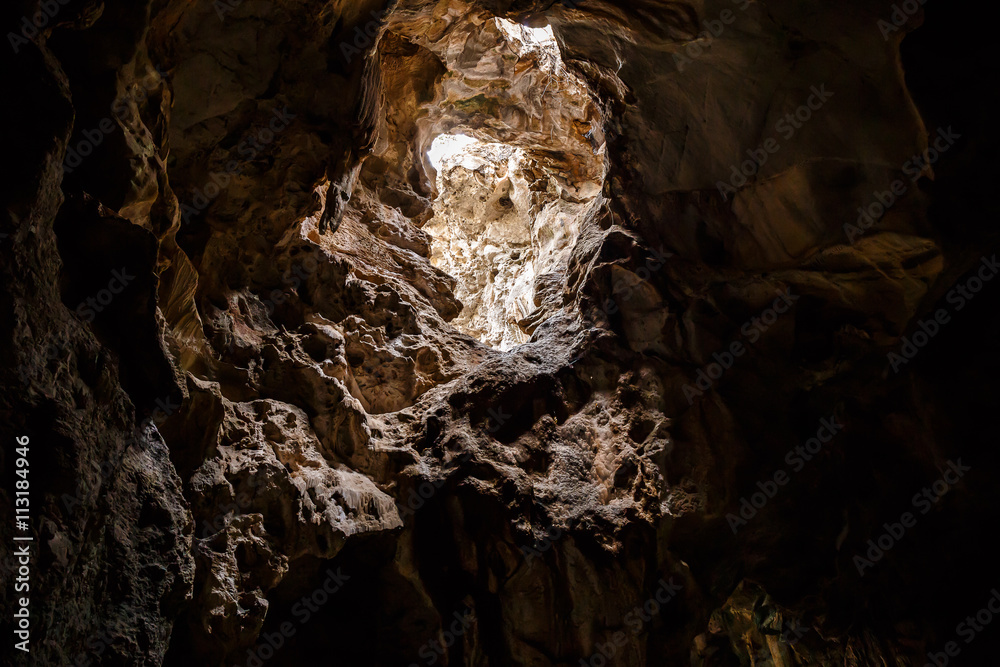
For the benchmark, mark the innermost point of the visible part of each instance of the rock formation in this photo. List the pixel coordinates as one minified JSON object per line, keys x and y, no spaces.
{"x":683,"y":356}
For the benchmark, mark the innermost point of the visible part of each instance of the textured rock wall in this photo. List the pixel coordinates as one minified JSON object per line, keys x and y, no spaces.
{"x":83,"y":372}
{"x":505,"y":240}
{"x":272,"y":426}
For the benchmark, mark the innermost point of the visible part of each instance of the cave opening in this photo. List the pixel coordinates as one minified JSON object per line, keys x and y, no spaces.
{"x":516,"y":164}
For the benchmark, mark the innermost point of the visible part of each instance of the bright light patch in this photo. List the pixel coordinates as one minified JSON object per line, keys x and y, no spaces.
{"x":529,"y":36}
{"x":538,"y":35}
{"x":527,"y":39}
{"x":448,"y":145}
{"x":504,"y":223}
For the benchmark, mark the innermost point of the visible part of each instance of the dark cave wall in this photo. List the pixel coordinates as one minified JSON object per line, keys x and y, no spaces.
{"x":112,"y":561}
{"x":261,"y":404}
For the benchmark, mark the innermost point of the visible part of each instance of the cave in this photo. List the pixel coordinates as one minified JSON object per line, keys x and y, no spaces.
{"x":479,"y":333}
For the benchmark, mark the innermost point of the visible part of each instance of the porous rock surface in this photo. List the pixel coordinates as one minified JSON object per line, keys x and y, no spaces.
{"x":286,"y":389}
{"x":500,"y":236}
